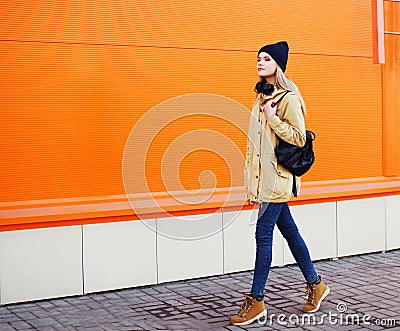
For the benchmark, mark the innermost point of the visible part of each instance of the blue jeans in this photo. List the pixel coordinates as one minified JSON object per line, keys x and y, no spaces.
{"x":270,"y":214}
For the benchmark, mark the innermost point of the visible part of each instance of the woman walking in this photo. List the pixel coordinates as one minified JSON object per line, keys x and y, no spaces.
{"x":271,"y":185}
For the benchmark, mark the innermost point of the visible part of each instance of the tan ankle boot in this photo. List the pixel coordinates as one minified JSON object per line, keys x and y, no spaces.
{"x":316,"y":293}
{"x":250,"y":310}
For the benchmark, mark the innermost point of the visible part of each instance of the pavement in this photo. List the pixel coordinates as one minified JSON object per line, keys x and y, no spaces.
{"x":365,"y":295}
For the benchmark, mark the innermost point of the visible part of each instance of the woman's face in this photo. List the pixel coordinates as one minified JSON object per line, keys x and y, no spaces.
{"x":266,"y":65}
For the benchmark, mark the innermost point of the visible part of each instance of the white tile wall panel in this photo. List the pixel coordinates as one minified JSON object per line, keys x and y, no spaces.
{"x":361,"y":226}
{"x":189,"y":246}
{"x":392,"y":222}
{"x":119,"y":255}
{"x":40,"y":263}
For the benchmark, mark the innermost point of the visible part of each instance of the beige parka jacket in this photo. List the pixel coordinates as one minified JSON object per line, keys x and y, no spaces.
{"x":265,"y":179}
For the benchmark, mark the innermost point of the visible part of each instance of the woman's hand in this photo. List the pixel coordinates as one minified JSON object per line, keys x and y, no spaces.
{"x":269,"y":109}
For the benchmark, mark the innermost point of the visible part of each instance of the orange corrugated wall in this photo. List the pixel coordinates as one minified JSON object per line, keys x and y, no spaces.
{"x":77,"y":75}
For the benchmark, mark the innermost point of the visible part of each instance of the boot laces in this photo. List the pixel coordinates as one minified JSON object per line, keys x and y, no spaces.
{"x":310,"y":293}
{"x":245,"y":307}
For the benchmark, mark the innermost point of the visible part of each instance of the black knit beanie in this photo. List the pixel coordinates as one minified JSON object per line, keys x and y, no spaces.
{"x":279,"y":52}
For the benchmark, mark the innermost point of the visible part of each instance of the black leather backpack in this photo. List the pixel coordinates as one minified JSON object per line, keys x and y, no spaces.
{"x":298,"y":160}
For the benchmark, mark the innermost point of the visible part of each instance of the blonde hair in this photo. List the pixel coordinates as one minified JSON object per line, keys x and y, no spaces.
{"x":286,"y":83}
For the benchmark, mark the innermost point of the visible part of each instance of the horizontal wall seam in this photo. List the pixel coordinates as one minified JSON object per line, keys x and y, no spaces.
{"x":169,"y":47}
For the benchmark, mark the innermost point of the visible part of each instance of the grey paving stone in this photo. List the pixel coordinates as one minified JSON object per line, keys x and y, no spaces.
{"x":9,"y":318}
{"x":233,"y":328}
{"x":7,"y":327}
{"x":44,"y":322}
{"x":25,"y":316}
{"x":21,"y":325}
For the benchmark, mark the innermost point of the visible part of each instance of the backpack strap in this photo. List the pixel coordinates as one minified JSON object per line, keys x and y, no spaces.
{"x":280,"y":99}
{"x":294,"y":188}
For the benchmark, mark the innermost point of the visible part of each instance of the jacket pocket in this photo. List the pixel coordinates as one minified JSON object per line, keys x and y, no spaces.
{"x":281,"y":171}
{"x":282,"y":188}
